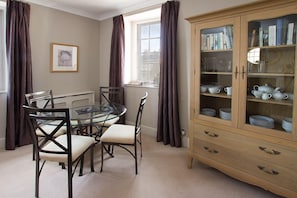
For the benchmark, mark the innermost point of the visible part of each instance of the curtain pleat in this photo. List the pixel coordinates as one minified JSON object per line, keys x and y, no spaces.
{"x":117,"y":56}
{"x":19,"y":64}
{"x":168,"y":127}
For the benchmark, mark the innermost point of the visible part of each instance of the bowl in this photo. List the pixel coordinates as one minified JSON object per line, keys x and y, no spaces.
{"x":214,"y":89}
{"x":262,"y":121}
{"x":225,"y":113}
{"x":287,"y":124}
{"x":208,"y":112}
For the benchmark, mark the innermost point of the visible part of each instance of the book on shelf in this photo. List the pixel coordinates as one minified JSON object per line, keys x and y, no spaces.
{"x":213,"y":41}
{"x":260,"y":36}
{"x":279,"y":29}
{"x":290,"y":33}
{"x":228,"y":36}
{"x":253,"y":39}
{"x":272,"y":35}
{"x":285,"y":23}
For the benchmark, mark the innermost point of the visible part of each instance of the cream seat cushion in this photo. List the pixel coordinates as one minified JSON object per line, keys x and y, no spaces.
{"x":119,"y":133}
{"x":79,"y":145}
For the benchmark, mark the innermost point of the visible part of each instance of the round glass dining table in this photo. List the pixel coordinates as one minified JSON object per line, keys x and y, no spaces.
{"x":84,"y":118}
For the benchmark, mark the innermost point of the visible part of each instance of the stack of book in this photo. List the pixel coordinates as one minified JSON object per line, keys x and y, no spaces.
{"x":218,"y":40}
{"x":280,"y":33}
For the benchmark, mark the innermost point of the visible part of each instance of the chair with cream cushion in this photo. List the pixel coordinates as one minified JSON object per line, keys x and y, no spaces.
{"x":67,"y":148}
{"x":124,"y":135}
{"x":43,"y":100}
{"x":109,"y":95}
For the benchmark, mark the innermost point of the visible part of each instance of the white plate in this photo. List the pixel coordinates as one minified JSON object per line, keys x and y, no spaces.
{"x":262,"y":121}
{"x":208,"y":112}
{"x":225,"y":113}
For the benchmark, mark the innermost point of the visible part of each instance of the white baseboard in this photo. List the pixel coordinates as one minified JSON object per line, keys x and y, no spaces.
{"x":153,"y":133}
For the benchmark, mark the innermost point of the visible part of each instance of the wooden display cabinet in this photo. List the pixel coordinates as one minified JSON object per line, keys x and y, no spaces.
{"x":249,"y":48}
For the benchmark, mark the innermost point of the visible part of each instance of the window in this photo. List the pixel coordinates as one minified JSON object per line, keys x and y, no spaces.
{"x":2,"y":48}
{"x":142,"y":48}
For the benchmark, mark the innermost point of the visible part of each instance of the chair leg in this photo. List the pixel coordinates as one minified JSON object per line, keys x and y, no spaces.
{"x":135,"y":157}
{"x":33,"y":157}
{"x":37,"y":174}
{"x":102,"y":147}
{"x":92,"y":158}
{"x":140,"y":142}
{"x":81,"y":165}
{"x":69,"y":168}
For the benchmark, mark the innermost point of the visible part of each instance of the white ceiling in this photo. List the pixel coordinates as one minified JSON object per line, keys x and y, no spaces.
{"x":98,"y":9}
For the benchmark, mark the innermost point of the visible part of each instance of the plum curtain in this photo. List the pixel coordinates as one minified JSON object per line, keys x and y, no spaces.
{"x":19,"y":64}
{"x":168,"y":127}
{"x":117,"y":56}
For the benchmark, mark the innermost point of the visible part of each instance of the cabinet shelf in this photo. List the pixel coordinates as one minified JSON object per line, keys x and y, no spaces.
{"x":216,"y":73}
{"x":273,"y":47}
{"x":270,"y":101}
{"x":259,"y":74}
{"x":216,"y":51}
{"x":219,"y":95}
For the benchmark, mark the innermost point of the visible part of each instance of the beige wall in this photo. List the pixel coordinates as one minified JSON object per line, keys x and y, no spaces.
{"x":49,"y":25}
{"x":93,"y":38}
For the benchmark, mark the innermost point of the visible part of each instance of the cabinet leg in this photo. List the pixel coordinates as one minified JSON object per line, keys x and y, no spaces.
{"x":190,"y":161}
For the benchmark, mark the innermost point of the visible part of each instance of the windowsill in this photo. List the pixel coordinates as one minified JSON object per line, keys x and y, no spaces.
{"x":142,"y":86}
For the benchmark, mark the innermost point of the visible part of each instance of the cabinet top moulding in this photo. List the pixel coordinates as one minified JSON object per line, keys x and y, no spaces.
{"x":239,"y":10}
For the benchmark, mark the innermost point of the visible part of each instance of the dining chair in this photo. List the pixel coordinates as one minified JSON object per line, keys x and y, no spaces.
{"x":124,"y":135}
{"x":67,"y":148}
{"x":109,"y":95}
{"x":43,"y":100}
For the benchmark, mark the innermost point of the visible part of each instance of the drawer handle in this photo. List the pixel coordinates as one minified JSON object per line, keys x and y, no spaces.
{"x":268,"y":171}
{"x":211,"y":134}
{"x":210,"y":150}
{"x":271,"y":152}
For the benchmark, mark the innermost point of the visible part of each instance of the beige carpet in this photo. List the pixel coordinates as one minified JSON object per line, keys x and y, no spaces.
{"x":163,"y":173}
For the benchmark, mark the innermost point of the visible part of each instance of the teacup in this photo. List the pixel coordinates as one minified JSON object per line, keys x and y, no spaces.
{"x":214,"y":89}
{"x":228,"y":90}
{"x":256,"y":93}
{"x":203,"y":88}
{"x":279,"y":95}
{"x":290,"y":96}
{"x":266,"y":96}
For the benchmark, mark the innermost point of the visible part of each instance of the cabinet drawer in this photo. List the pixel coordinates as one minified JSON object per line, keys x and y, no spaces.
{"x":215,"y":152}
{"x":275,"y":154}
{"x":262,"y":169}
{"x":273,"y":173}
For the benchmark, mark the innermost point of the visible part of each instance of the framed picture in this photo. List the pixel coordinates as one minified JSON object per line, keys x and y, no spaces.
{"x":64,"y":58}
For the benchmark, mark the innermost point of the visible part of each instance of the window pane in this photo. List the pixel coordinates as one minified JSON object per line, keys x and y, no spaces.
{"x":155,"y":45}
{"x":144,"y":31}
{"x":155,"y":30}
{"x":142,"y":49}
{"x":144,"y":46}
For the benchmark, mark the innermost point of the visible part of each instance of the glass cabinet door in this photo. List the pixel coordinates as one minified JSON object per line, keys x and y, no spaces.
{"x":216,"y":60}
{"x":271,"y":60}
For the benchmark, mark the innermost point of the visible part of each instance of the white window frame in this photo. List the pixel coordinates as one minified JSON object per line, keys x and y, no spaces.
{"x":131,"y":55}
{"x":3,"y":65}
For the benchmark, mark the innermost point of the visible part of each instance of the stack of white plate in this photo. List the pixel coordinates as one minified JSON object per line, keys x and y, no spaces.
{"x":225,"y":113}
{"x":287,"y":124}
{"x":208,"y":112}
{"x":262,"y":121}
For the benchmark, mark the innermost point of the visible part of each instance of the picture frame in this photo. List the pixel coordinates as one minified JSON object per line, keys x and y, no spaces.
{"x":64,"y":57}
